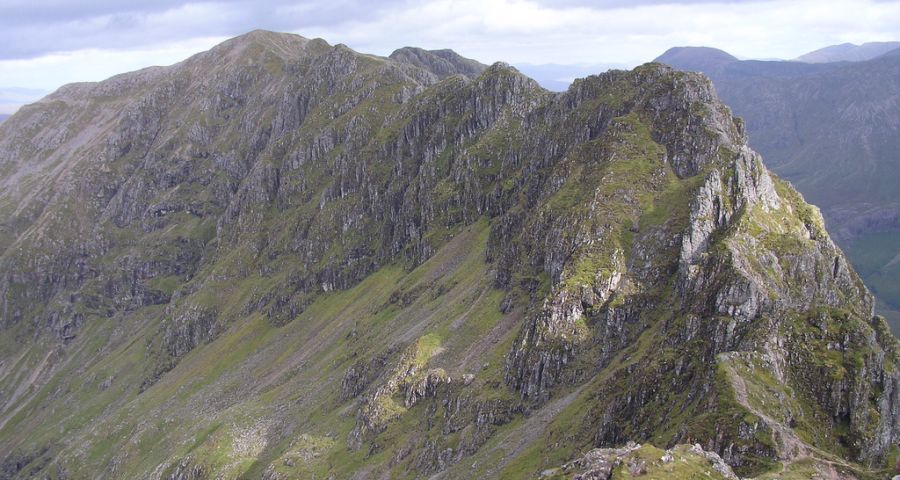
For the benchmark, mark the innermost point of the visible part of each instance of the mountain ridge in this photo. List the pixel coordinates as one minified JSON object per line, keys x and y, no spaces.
{"x":848,"y":52}
{"x":440,"y":62}
{"x":332,"y":263}
{"x":831,"y":129}
{"x":696,"y":57}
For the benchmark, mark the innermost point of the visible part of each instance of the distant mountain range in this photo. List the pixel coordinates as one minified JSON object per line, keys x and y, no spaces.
{"x":3,"y":116}
{"x":558,"y":77}
{"x":848,"y":52}
{"x":833,"y":130}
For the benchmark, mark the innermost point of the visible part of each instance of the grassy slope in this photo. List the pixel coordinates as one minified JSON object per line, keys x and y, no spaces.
{"x":223,"y":402}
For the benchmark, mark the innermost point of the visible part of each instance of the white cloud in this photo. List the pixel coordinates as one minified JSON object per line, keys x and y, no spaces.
{"x":529,"y":32}
{"x":51,"y":71}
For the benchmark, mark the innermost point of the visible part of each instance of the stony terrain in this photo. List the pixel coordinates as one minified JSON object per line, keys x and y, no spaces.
{"x":285,"y":259}
{"x":833,"y":130}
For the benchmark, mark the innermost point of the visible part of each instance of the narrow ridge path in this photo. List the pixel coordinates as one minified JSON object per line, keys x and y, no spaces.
{"x":788,"y":446}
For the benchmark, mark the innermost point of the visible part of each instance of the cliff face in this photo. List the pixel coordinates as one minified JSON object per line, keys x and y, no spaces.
{"x":833,"y":130}
{"x":282,"y":258}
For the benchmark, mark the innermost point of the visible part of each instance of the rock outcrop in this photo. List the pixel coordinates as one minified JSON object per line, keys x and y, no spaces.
{"x":634,"y":460}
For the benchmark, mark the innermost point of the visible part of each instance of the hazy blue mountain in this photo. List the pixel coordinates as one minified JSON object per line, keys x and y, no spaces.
{"x":698,"y":59}
{"x":891,"y":54}
{"x":848,"y":52}
{"x":833,"y":130}
{"x":3,"y":116}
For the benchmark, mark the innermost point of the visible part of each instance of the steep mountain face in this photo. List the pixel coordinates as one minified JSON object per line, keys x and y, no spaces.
{"x":848,"y":52}
{"x":285,"y":259}
{"x":833,"y":130}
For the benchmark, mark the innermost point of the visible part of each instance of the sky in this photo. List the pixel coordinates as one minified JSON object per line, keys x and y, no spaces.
{"x":47,"y":43}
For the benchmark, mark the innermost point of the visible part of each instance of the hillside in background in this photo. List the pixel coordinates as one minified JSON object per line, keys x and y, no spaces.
{"x":848,"y":52}
{"x":3,"y":117}
{"x":286,"y":259}
{"x":833,"y":130}
{"x":696,"y":59}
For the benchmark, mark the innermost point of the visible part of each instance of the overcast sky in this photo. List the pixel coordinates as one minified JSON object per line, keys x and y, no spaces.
{"x":46,"y":43}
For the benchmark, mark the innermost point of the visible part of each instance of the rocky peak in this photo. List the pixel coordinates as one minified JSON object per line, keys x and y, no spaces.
{"x":252,"y":42}
{"x":442,"y":63}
